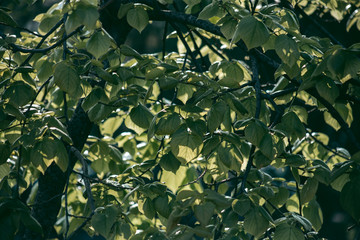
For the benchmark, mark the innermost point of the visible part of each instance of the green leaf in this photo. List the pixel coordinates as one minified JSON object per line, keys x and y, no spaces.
{"x":291,"y":124}
{"x":5,"y":152}
{"x":62,"y":159}
{"x":99,"y":112}
{"x":110,"y":125}
{"x":235,"y":104}
{"x":287,"y":49}
{"x":98,"y":44}
{"x":253,"y":32}
{"x":154,"y":73}
{"x":349,"y":198}
{"x":288,"y":232}
{"x":83,"y":14}
{"x":167,"y":83}
{"x":204,"y":212}
{"x":209,"y":11}
{"x":356,"y":157}
{"x":295,"y":160}
{"x":137,"y":18}
{"x":255,"y":132}
{"x":184,"y":92}
{"x":102,"y":221}
{"x":141,"y":116}
{"x":99,"y":150}
{"x":168,"y":125}
{"x":223,"y":156}
{"x":162,"y":206}
{"x":96,"y":95}
{"x":267,"y":146}
{"x":308,"y":191}
{"x":185,"y":145}
{"x":14,"y":111}
{"x":123,"y":10}
{"x":67,"y":79}
{"x":48,"y":22}
{"x":313,"y":213}
{"x":255,"y":223}
{"x":6,"y":19}
{"x":30,"y":222}
{"x":292,"y":204}
{"x":45,"y":71}
{"x":216,"y":115}
{"x":221,"y":201}
{"x":232,"y":74}
{"x":149,"y":208}
{"x":129,"y":52}
{"x":46,"y":151}
{"x":169,"y":162}
{"x":89,"y":15}
{"x":327,"y":89}
{"x":19,"y":93}
{"x":260,"y":160}
{"x":280,"y":197}
{"x":227,"y":29}
{"x":210,"y":144}
{"x":59,"y":130}
{"x":242,"y":205}
{"x":343,"y":64}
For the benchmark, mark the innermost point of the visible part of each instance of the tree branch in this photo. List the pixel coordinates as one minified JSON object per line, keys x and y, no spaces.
{"x":256,"y":79}
{"x":85,"y":167}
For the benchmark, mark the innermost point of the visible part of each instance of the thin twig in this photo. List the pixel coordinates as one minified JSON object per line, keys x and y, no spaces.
{"x":196,"y":180}
{"x":197,"y":49}
{"x":47,"y":201}
{"x":210,"y":46}
{"x":82,"y":225}
{"x":318,"y":25}
{"x":278,"y":110}
{"x":327,"y":147}
{"x":76,"y":216}
{"x":182,"y":39}
{"x":53,"y":29}
{"x":156,"y":157}
{"x":23,"y":29}
{"x":44,"y":50}
{"x":335,"y":114}
{"x":96,"y":180}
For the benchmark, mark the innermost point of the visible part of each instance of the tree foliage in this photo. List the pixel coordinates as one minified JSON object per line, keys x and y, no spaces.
{"x":211,"y":141}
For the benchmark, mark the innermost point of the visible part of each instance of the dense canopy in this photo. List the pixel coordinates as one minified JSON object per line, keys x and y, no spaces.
{"x":180,"y":119}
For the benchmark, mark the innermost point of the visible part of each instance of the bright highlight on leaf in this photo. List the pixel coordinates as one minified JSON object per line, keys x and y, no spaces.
{"x":185,"y":145}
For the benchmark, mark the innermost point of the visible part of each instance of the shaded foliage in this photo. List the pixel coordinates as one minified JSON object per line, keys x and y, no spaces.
{"x":232,"y":136}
